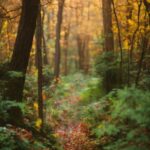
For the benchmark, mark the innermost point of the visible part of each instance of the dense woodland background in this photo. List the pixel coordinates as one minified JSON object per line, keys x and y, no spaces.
{"x":74,"y":74}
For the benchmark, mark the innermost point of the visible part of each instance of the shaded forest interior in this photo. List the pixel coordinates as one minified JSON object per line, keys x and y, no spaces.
{"x":75,"y":75}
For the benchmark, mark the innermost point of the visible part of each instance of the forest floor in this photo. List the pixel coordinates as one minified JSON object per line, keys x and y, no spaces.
{"x":67,"y":106}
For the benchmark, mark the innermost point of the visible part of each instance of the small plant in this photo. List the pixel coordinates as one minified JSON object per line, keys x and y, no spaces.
{"x":6,"y":105}
{"x":13,"y":138}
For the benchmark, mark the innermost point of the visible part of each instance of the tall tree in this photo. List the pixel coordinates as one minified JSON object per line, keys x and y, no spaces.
{"x":66,"y":38}
{"x":58,"y":36}
{"x":22,"y":48}
{"x":119,"y":40}
{"x":44,"y":42}
{"x":39,"y":36}
{"x":107,"y":23}
{"x":83,"y":52}
{"x":108,"y":47}
{"x":129,"y":15}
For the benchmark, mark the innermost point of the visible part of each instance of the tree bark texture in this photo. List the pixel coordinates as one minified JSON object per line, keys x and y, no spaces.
{"x":58,"y":37}
{"x":39,"y":36}
{"x":22,"y":48}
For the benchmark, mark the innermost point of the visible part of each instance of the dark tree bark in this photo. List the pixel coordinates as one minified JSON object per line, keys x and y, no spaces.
{"x":39,"y":36}
{"x":119,"y":41}
{"x":22,"y":48}
{"x":43,"y":44}
{"x":110,"y":77}
{"x":57,"y":44}
{"x":129,"y":17}
{"x":144,"y":48}
{"x":133,"y":39}
{"x":83,"y":52}
{"x":81,"y":49}
{"x":107,"y":23}
{"x":1,"y":24}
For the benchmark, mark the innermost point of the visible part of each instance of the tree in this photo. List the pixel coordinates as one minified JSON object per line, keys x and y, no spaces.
{"x":58,"y":36}
{"x":22,"y":48}
{"x":66,"y":38}
{"x":107,"y":25}
{"x":81,"y":48}
{"x":83,"y":52}
{"x":39,"y":36}
{"x":109,"y":80}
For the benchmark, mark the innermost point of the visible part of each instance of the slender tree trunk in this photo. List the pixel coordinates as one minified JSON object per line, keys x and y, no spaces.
{"x":144,"y":48}
{"x":45,"y":49}
{"x":81,"y":49}
{"x":107,"y":23}
{"x":66,"y":60}
{"x":57,"y":44}
{"x":87,"y":59}
{"x":133,"y":42}
{"x":109,"y":80}
{"x":22,"y":48}
{"x":66,"y":51}
{"x":129,"y":17}
{"x":39,"y":36}
{"x":1,"y":25}
{"x":119,"y":40}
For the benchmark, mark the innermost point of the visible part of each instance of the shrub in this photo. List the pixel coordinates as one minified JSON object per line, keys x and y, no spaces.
{"x":6,"y":106}
{"x":12,"y":138}
{"x":108,"y":68}
{"x":121,"y":120}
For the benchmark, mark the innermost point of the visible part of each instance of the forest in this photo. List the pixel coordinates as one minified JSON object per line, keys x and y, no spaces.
{"x":74,"y":74}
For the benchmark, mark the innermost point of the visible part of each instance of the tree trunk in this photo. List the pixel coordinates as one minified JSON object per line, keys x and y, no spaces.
{"x":57,"y":44}
{"x":66,"y":51}
{"x":39,"y":36}
{"x":109,"y":80}
{"x":144,"y":49}
{"x":1,"y":25}
{"x":129,"y":17}
{"x":87,"y":60}
{"x":107,"y":23}
{"x":22,"y":48}
{"x":81,"y":51}
{"x":45,"y":49}
{"x":119,"y":42}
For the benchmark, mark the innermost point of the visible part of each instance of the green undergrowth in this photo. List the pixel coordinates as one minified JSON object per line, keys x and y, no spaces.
{"x":116,"y":121}
{"x":120,"y":120}
{"x":71,"y":93}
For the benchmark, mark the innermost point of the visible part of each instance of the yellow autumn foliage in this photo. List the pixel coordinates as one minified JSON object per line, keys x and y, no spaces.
{"x":38,"y":123}
{"x":131,"y":22}
{"x":148,"y":1}
{"x":35,"y":106}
